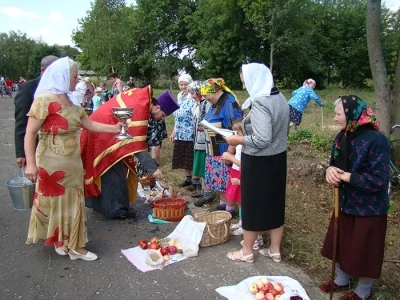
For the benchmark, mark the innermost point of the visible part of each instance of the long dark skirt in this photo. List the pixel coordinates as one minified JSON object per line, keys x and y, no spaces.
{"x":361,"y":244}
{"x":263,"y":186}
{"x":113,"y":201}
{"x":182,"y":156}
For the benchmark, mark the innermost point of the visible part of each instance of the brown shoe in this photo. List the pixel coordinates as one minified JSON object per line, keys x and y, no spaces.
{"x":353,"y":296}
{"x":326,"y":287}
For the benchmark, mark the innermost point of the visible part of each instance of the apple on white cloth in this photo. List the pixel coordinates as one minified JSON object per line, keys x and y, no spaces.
{"x":241,"y":291}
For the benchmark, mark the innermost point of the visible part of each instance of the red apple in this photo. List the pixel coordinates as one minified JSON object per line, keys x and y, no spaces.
{"x":172,"y":250}
{"x":259,"y":295}
{"x":143,"y":244}
{"x":279,"y":288}
{"x":265,"y":289}
{"x":259,"y":284}
{"x":269,"y":296}
{"x":274,"y":292}
{"x":154,"y":246}
{"x":164,"y":251}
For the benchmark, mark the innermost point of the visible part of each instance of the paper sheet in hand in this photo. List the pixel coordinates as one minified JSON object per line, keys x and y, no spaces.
{"x":221,"y":131}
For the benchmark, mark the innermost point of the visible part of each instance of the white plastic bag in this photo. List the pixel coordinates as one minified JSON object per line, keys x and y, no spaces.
{"x":190,"y":233}
{"x":154,"y":259}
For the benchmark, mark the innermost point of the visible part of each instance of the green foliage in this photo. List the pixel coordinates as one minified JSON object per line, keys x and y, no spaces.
{"x":40,"y":51}
{"x":319,"y":142}
{"x":21,"y":56}
{"x":15,"y":51}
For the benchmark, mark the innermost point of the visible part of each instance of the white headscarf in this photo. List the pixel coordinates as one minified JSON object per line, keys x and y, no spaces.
{"x":258,"y":80}
{"x":186,"y":78}
{"x":56,"y":79}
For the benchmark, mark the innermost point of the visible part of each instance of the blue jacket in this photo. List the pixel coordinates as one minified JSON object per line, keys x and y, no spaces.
{"x":302,"y":96}
{"x":225,"y":111}
{"x":368,"y":162}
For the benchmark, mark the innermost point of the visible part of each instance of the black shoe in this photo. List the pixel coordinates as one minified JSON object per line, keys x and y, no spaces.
{"x":129,"y":215}
{"x":193,"y":187}
{"x":203,"y":201}
{"x":185,"y":184}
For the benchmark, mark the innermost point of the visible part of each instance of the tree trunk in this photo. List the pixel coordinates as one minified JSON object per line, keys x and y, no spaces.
{"x":271,"y":57}
{"x":395,"y":118}
{"x":377,"y":63}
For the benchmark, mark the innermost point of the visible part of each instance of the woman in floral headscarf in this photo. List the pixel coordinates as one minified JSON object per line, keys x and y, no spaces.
{"x":225,"y":109}
{"x":359,"y":166}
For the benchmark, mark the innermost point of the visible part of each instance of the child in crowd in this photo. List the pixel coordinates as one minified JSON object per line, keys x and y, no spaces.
{"x":299,"y":101}
{"x":97,"y":98}
{"x":233,"y":190}
{"x":106,"y":94}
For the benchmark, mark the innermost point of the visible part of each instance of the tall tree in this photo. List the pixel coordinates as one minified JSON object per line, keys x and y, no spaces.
{"x":15,"y":52}
{"x":386,"y":100}
{"x":41,"y":50}
{"x":222,"y":40}
{"x":102,"y":36}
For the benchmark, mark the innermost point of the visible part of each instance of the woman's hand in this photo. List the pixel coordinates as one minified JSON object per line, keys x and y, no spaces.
{"x":334,"y":175}
{"x":117,"y":127}
{"x":235,"y":181}
{"x":172,"y":136}
{"x":345,"y":176}
{"x":158,"y":174}
{"x":233,"y":140}
{"x":31,"y":172}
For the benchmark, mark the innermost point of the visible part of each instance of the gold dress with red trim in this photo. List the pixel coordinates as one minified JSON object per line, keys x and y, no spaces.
{"x":58,"y":214}
{"x":101,"y":151}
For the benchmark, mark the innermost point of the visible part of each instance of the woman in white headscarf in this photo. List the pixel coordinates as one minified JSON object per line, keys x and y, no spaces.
{"x":58,"y":213}
{"x":263,"y":162}
{"x":182,"y":135}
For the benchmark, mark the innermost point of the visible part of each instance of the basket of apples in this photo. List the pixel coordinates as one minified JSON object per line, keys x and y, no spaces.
{"x":263,"y":289}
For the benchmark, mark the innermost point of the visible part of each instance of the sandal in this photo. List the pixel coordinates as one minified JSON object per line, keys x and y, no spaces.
{"x":249,"y":258}
{"x":326,"y":287}
{"x":276,"y":257}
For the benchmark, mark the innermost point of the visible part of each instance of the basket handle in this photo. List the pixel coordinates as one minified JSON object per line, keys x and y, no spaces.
{"x":163,"y":192}
{"x":209,"y":231}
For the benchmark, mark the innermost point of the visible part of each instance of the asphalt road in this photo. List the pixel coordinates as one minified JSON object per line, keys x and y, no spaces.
{"x":37,"y":272}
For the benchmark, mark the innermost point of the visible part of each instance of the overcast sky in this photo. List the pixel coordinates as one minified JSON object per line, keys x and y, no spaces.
{"x":53,"y":21}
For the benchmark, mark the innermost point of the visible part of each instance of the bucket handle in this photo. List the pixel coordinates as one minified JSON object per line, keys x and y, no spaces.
{"x":21,"y":172}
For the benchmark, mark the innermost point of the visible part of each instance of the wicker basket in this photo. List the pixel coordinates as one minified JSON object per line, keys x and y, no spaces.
{"x":169,"y":209}
{"x":217,"y":229}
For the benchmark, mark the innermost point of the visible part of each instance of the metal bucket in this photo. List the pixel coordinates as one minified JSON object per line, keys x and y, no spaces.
{"x":21,"y":191}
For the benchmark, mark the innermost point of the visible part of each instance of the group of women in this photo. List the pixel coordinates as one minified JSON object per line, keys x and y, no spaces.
{"x":359,"y":168}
